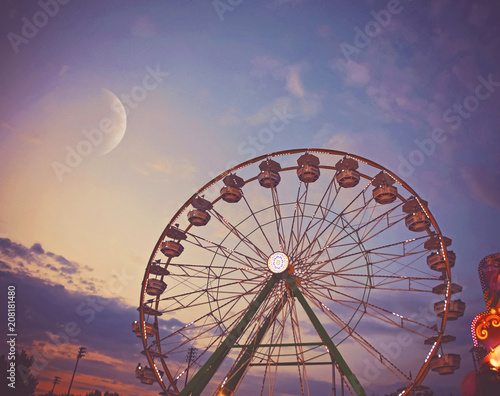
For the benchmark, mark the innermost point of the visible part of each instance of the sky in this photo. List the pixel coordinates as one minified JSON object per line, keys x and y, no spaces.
{"x":114,"y":113}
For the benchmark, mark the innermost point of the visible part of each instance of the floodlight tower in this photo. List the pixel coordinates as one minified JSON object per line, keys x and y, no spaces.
{"x":191,"y":355}
{"x":81,"y":353}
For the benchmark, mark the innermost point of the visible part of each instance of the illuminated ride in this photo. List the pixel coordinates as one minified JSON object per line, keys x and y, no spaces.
{"x":486,"y":326}
{"x":306,"y":271}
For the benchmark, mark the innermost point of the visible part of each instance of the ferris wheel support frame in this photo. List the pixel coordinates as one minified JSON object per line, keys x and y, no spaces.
{"x":205,"y":373}
{"x":334,"y":353}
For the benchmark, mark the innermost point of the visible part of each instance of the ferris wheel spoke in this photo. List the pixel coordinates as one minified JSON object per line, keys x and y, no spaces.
{"x":322,"y":279}
{"x":278,"y":219}
{"x":229,"y":274}
{"x":298,"y":216}
{"x":204,"y":332}
{"x":223,"y":251}
{"x":197,"y":290}
{"x":325,"y":211}
{"x":259,"y":225}
{"x":355,"y":228}
{"x":358,"y":338}
{"x":377,"y":251}
{"x":231,"y":298}
{"x":385,"y":276}
{"x":324,"y":207}
{"x":342,"y":235}
{"x":244,"y":239}
{"x":383,"y":314}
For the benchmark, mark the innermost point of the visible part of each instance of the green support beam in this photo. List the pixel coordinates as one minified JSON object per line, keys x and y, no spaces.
{"x":284,"y":344}
{"x":205,"y":373}
{"x":292,"y":364}
{"x":330,"y":346}
{"x":240,"y":367}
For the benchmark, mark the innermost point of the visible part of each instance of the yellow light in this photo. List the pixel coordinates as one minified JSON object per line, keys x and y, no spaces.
{"x":495,"y":358}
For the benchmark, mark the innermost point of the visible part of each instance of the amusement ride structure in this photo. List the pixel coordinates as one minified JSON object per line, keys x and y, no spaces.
{"x":308,"y":271}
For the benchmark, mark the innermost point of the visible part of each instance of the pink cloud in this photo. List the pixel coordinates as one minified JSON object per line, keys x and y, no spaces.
{"x":294,"y":83}
{"x":354,"y":73}
{"x":484,"y":182}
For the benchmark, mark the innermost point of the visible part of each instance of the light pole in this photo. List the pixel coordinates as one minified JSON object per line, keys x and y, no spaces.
{"x":57,"y":380}
{"x":81,"y":353}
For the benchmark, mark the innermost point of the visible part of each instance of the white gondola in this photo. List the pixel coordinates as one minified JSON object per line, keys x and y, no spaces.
{"x":417,"y":222}
{"x":445,"y":339}
{"x":434,"y":242}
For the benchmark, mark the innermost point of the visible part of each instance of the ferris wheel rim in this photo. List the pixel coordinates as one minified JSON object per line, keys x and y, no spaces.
{"x":244,"y":164}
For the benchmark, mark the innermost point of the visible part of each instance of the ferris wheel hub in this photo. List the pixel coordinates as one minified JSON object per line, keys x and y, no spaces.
{"x":278,"y":262}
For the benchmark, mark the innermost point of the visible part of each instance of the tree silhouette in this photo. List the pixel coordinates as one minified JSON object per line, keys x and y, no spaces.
{"x":25,"y":383}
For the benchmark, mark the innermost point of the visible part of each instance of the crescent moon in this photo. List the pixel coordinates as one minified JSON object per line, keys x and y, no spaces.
{"x":118,"y":117}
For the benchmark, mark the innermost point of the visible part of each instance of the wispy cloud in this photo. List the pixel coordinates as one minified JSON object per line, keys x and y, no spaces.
{"x":180,"y":167}
{"x":354,"y":73}
{"x":48,"y":266}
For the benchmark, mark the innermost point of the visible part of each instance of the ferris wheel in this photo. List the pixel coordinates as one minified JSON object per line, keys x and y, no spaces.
{"x":308,"y":271}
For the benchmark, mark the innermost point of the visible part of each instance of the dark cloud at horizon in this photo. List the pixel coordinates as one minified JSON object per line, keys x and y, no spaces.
{"x":52,"y":322}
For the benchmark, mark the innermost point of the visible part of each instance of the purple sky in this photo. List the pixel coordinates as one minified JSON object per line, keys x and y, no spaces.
{"x":199,"y":82}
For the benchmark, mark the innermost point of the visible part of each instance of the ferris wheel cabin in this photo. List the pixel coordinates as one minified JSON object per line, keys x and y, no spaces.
{"x":384,"y":192}
{"x":155,"y":287}
{"x":232,"y":193}
{"x":445,"y":364}
{"x":308,"y":171}
{"x":416,"y":220}
{"x":171,"y":248}
{"x":455,"y":310}
{"x":347,"y":176}
{"x":269,"y":176}
{"x":151,"y":329}
{"x":146,"y":374}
